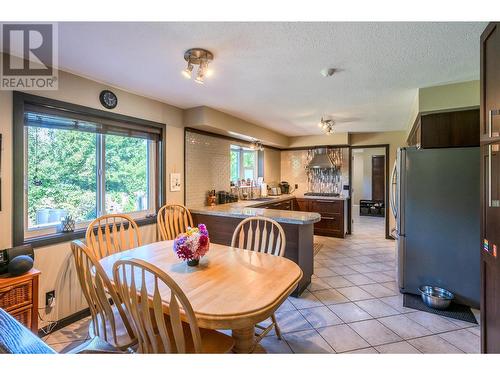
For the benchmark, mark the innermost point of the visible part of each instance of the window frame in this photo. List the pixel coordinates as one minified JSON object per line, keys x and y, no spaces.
{"x":241,"y":150}
{"x":42,"y":237}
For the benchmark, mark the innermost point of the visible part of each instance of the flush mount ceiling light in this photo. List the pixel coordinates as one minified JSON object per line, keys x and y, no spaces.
{"x":257,"y":145}
{"x":326,"y":126}
{"x":200,"y":57}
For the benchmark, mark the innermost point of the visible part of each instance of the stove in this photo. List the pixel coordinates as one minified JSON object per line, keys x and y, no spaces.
{"x":322,"y":194}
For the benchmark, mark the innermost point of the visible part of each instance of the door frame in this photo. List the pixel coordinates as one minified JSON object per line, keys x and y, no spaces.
{"x":386,"y":203}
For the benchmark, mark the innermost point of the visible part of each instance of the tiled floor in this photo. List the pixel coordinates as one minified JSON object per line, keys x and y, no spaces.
{"x":352,"y":306}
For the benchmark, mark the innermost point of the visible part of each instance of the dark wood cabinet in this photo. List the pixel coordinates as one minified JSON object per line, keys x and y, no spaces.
{"x":446,"y":129}
{"x":332,"y":215}
{"x":490,"y":189}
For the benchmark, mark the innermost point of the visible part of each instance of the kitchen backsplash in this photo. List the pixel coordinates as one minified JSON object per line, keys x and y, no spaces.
{"x":293,"y":170}
{"x":208,"y":166}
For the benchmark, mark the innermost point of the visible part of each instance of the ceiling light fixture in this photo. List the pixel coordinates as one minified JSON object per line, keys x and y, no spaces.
{"x":200,"y":57}
{"x":257,"y":145}
{"x":327,"y":126}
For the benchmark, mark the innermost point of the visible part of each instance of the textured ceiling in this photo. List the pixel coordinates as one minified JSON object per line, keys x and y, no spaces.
{"x":269,"y":73}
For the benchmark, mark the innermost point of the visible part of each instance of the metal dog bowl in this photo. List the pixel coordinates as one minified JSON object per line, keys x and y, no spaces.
{"x":435,"y":297}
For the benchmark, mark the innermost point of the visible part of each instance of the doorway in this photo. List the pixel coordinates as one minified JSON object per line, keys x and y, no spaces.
{"x":369,"y":190}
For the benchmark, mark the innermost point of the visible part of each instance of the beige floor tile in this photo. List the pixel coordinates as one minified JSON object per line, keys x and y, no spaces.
{"x":475,"y":330}
{"x":272,"y":345}
{"x":359,"y":279}
{"x":343,"y":338}
{"x":343,"y":270}
{"x":319,"y":284}
{"x":463,"y":340}
{"x":374,"y":332}
{"x":305,"y":301}
{"x":355,"y":293}
{"x":286,"y":306}
{"x":461,"y":323}
{"x":350,"y":312}
{"x":397,"y":348}
{"x":378,"y":290}
{"x":396,"y":302}
{"x":337,"y":281}
{"x":324,"y":272}
{"x":434,"y":344}
{"x":363,"y":351}
{"x":291,"y":321}
{"x":379,"y":277}
{"x":330,"y":296}
{"x":363,"y":268}
{"x":433,"y":322}
{"x":308,"y":341}
{"x":377,"y":308}
{"x":404,"y":326}
{"x":320,"y":317}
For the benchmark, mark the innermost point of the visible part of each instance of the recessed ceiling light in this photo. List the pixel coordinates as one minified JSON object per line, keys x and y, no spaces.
{"x":328,"y":72}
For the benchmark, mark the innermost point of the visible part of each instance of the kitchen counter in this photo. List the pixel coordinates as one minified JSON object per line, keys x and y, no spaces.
{"x":248,"y":208}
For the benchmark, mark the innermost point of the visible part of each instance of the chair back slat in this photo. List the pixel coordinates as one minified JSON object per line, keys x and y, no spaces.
{"x":260,"y":234}
{"x":150,"y":294}
{"x":172,"y":220}
{"x":115,"y":233}
{"x":98,"y":290}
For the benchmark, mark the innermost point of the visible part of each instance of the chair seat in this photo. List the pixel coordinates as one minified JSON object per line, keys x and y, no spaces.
{"x":123,"y":340}
{"x":212,"y":341}
{"x":96,"y":346}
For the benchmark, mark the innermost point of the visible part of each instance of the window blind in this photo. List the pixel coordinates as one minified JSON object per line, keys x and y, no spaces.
{"x":53,"y":118}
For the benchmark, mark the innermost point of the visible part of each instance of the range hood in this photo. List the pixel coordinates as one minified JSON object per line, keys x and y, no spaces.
{"x":320,"y":161}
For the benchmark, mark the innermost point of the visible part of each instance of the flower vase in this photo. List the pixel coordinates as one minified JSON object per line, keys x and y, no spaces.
{"x":193,"y":262}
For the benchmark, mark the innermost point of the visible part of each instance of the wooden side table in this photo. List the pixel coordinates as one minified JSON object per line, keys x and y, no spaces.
{"x":19,"y":297}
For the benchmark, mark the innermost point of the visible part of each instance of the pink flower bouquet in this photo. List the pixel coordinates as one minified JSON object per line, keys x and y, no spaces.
{"x":192,"y":245}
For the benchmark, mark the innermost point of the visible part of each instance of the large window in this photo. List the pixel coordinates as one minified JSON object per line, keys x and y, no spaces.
{"x":76,"y":163}
{"x":244,"y":163}
{"x":83,"y":174}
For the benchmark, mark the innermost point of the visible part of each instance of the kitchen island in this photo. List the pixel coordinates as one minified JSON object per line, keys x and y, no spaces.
{"x":221,"y":221}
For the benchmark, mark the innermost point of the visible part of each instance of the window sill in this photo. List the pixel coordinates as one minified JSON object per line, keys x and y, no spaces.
{"x":55,"y":238}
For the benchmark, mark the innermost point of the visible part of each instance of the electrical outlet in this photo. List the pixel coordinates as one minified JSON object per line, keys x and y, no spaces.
{"x":50,"y":298}
{"x":296,"y":186}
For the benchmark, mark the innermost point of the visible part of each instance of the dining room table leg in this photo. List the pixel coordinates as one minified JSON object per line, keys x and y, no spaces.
{"x":244,"y":340}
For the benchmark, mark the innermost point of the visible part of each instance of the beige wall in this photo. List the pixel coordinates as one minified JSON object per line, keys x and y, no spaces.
{"x":393,"y":139}
{"x":319,"y":140}
{"x":362,"y":172}
{"x":272,"y":166}
{"x":55,"y":261}
{"x":209,"y":119}
{"x":456,"y":95}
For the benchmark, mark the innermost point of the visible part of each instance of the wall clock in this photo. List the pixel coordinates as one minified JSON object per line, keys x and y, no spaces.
{"x":108,"y":99}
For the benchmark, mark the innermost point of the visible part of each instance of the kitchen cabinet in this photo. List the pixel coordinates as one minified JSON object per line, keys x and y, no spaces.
{"x":332,"y":223}
{"x":446,"y":129}
{"x":282,"y":205}
{"x":490,"y":189}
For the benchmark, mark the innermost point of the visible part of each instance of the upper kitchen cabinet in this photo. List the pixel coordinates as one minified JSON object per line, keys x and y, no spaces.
{"x":490,"y":83}
{"x":458,"y":128}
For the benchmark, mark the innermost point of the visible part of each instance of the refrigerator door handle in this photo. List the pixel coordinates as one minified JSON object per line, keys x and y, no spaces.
{"x":394,"y":184}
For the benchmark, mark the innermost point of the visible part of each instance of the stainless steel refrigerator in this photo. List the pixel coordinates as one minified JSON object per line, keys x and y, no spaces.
{"x":435,"y":199}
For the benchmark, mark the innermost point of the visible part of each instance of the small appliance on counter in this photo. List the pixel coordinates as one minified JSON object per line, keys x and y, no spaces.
{"x":285,"y":187}
{"x":275,"y":191}
{"x":226,"y":197}
{"x":263,"y":190}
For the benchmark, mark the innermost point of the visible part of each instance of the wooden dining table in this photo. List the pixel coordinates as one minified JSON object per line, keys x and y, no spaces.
{"x":231,"y":289}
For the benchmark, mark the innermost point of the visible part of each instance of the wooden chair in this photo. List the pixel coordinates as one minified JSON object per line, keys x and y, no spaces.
{"x":110,"y":234}
{"x":109,"y":320}
{"x":265,"y":236}
{"x":172,"y":220}
{"x":140,"y":283}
